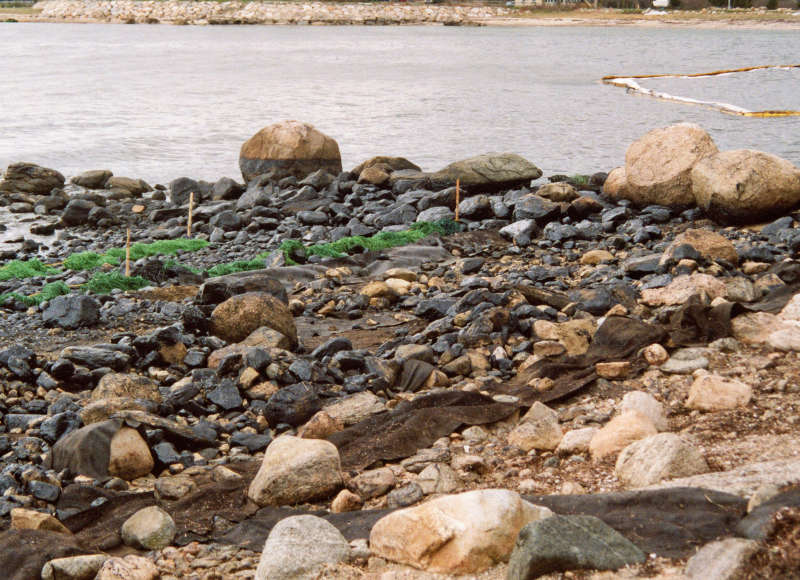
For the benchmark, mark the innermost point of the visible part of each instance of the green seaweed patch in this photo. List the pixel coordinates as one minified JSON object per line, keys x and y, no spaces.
{"x":88,"y":261}
{"x":26,"y":269}
{"x":256,"y":263}
{"x":379,"y":241}
{"x":91,"y":260}
{"x":49,"y":292}
{"x":105,"y":282}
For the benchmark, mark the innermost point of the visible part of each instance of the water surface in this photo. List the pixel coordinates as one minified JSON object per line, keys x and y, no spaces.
{"x":159,"y":101}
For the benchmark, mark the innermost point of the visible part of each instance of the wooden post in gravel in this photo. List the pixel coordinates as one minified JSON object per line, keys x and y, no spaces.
{"x":128,"y":254}
{"x":458,"y":195}
{"x":189,"y":221}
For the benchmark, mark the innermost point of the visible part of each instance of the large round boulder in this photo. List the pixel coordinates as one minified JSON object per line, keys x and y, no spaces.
{"x":30,"y":178}
{"x":240,"y":315}
{"x":745,"y":186}
{"x":289,"y":148}
{"x":658,"y":167}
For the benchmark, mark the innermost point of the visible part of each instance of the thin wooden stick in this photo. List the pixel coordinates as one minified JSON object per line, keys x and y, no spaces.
{"x":458,"y":196}
{"x":128,"y":255}
{"x":189,"y":223}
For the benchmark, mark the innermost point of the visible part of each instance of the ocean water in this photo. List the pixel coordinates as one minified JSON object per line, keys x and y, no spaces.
{"x":160,"y":102}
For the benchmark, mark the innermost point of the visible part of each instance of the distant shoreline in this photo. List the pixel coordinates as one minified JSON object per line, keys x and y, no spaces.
{"x":181,"y":12}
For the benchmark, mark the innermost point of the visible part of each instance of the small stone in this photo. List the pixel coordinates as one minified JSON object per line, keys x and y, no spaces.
{"x":406,"y":495}
{"x":620,"y":432}
{"x":656,"y":458}
{"x":538,"y":429}
{"x":647,"y":405}
{"x":28,"y":519}
{"x":576,"y":441}
{"x":711,"y":392}
{"x":655,"y":354}
{"x":438,"y":478}
{"x":150,"y":528}
{"x":613,"y":370}
{"x":346,"y":501}
{"x":373,"y":483}
{"x":74,"y":568}
{"x":130,"y":567}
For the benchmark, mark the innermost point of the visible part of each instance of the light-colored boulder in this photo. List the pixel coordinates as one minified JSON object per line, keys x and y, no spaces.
{"x":129,"y":456}
{"x":346,"y":501}
{"x":658,"y":166}
{"x":489,"y":172}
{"x":620,"y":432}
{"x":721,"y":560}
{"x":28,"y":519}
{"x":240,"y":315}
{"x":558,"y":191}
{"x":682,"y":288}
{"x":438,"y":478}
{"x":594,"y":257}
{"x":710,"y":392}
{"x":656,"y":458}
{"x":538,"y":429}
{"x":114,"y":385}
{"x":745,"y":186}
{"x":289,"y":148}
{"x":614,"y":370}
{"x":655,"y":354}
{"x":298,"y":547}
{"x":457,"y":534}
{"x":373,"y":483}
{"x":74,"y":567}
{"x":354,"y":408}
{"x":150,"y":528}
{"x":647,"y":405}
{"x":576,"y":441}
{"x":130,"y":567}
{"x":295,"y":470}
{"x":711,"y":245}
{"x":745,"y":480}
{"x":575,"y":335}
{"x":616,"y":184}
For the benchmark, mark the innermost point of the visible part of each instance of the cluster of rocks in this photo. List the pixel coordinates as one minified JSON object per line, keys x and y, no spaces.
{"x":241,"y":12}
{"x":569,"y":382}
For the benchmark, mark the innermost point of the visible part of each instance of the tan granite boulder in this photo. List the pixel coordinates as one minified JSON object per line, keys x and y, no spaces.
{"x":658,"y":166}
{"x":289,"y":148}
{"x":240,"y":315}
{"x":745,"y":186}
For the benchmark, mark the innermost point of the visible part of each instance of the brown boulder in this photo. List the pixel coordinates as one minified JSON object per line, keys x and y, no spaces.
{"x":289,"y":148}
{"x":238,"y":316}
{"x":616,"y":184}
{"x":711,"y":245}
{"x":658,"y":167}
{"x":30,"y":178}
{"x":745,"y":186}
{"x":114,"y":385}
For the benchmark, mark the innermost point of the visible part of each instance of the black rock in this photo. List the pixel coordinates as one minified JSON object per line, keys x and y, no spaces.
{"x":77,"y":212}
{"x":72,"y":311}
{"x":228,"y":221}
{"x":21,"y":420}
{"x":93,"y":357}
{"x":44,"y":491}
{"x":640,"y":266}
{"x":293,"y":405}
{"x":226,"y":188}
{"x":301,"y":369}
{"x":331,"y":347}
{"x":252,"y":441}
{"x":18,"y":351}
{"x":20,"y":368}
{"x":55,"y":427}
{"x":226,"y":395}
{"x":165,"y":453}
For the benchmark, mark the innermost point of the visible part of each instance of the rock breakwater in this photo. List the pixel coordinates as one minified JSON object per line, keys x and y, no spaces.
{"x":241,"y":12}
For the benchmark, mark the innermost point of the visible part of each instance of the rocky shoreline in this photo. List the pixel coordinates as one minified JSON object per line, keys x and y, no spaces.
{"x":241,"y":12}
{"x":478,"y":372}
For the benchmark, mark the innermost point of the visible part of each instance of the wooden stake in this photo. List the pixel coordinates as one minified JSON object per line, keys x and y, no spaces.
{"x":128,"y":255}
{"x":189,"y":223}
{"x":458,"y":196}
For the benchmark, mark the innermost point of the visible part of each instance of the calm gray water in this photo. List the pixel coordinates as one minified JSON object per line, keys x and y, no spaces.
{"x":159,"y":102}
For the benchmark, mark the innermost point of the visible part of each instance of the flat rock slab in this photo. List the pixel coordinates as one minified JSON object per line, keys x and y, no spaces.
{"x":742,"y":481}
{"x":24,"y":552}
{"x":561,"y":543}
{"x":757,"y":524}
{"x":668,"y":522}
